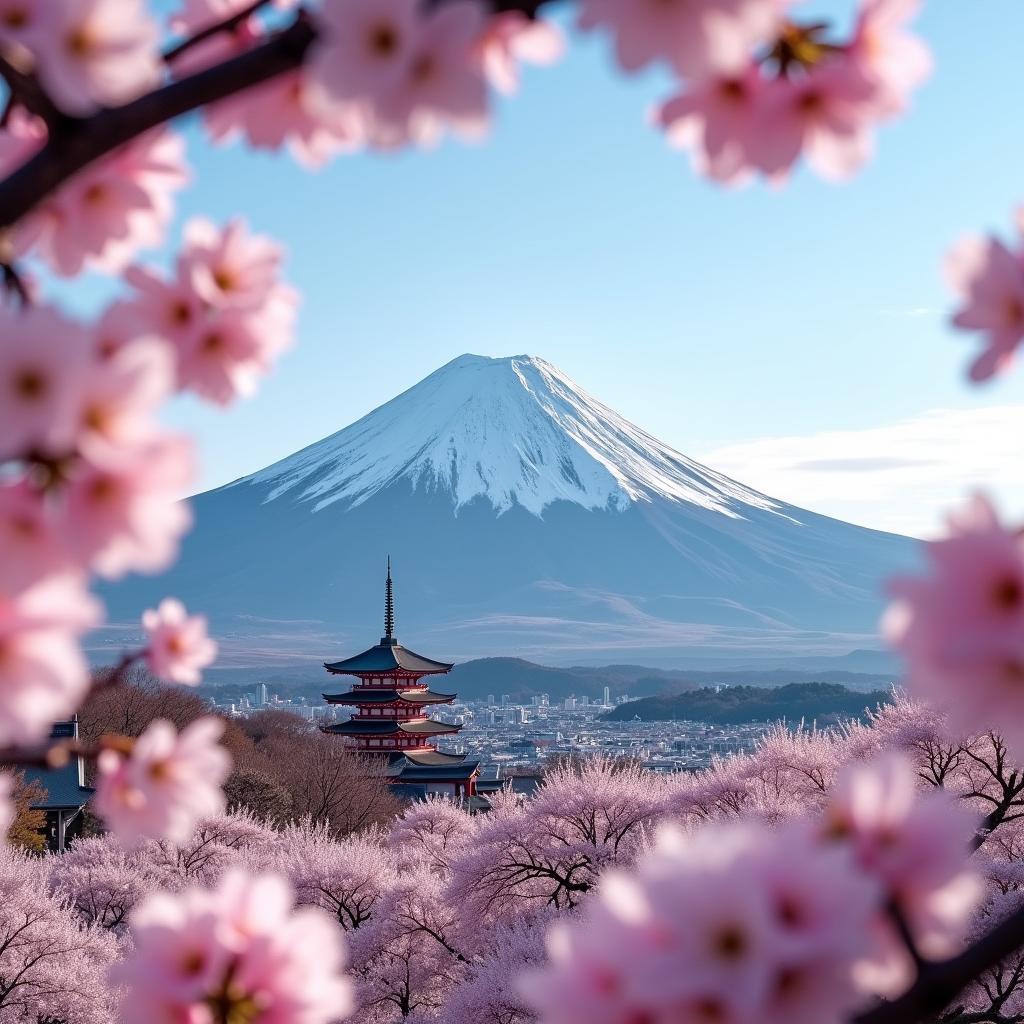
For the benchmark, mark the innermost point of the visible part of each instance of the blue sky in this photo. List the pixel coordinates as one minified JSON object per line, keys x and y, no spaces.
{"x":795,"y":338}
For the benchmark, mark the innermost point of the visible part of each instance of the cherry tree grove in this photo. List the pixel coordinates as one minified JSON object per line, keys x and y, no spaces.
{"x":866,"y":876}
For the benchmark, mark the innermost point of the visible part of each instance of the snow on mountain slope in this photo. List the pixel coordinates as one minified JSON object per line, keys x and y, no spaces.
{"x":515,"y":431}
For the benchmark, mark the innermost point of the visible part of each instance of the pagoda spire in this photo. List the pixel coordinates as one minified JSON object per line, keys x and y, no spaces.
{"x":389,"y":609}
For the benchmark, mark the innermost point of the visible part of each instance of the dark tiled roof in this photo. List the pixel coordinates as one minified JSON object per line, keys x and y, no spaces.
{"x":433,"y":757}
{"x":389,"y":656}
{"x":375,"y":696}
{"x":61,"y":785}
{"x":389,"y":727}
{"x":440,"y":773}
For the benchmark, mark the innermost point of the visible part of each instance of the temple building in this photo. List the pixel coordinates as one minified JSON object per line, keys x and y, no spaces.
{"x":391,"y":720}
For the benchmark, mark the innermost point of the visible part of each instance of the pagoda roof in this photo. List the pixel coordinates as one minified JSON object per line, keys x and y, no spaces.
{"x":387,"y":656}
{"x":370,"y":695}
{"x":390,"y":727}
{"x":429,"y":757}
{"x":438,"y":773}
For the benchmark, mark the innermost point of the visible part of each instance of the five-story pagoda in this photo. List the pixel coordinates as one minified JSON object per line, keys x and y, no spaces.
{"x":391,"y":717}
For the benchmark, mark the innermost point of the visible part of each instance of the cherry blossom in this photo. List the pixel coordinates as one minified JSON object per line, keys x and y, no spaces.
{"x":283,"y":113}
{"x":988,"y":277}
{"x":119,"y":396}
{"x":32,"y":547}
{"x":122,"y":507}
{"x":96,"y":53}
{"x":225,"y":311}
{"x":511,"y":37}
{"x":107,"y":212}
{"x":42,"y":359}
{"x":365,"y":48}
{"x":892,"y":60}
{"x":441,"y":85}
{"x":229,"y":268}
{"x":732,"y":923}
{"x":916,"y":844}
{"x":165,"y":783}
{"x":693,"y":35}
{"x":961,"y":626}
{"x":178,"y":647}
{"x":722,"y":120}
{"x":241,"y":948}
{"x":43,"y":676}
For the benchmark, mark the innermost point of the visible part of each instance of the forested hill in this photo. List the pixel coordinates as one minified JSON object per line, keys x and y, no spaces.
{"x":823,"y":702}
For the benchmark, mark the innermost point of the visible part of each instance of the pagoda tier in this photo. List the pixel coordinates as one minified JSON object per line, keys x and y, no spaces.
{"x":391,"y":702}
{"x":365,"y":695}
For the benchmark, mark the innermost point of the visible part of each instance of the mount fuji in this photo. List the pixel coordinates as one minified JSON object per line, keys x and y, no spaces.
{"x":523,"y":517}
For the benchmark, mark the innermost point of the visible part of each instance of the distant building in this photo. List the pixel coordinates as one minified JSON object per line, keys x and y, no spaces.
{"x":490,"y":700}
{"x":66,"y":792}
{"x":505,"y":700}
{"x":392,"y":721}
{"x":607,"y":696}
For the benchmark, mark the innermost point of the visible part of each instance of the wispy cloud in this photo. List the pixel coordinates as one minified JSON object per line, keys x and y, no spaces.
{"x":901,"y":477}
{"x":912,"y":312}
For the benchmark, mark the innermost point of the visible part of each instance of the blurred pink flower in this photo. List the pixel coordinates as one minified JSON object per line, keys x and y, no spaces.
{"x":93,"y":53}
{"x":178,"y":645}
{"x":696,"y":36}
{"x":511,"y":37}
{"x":107,"y":212}
{"x":364,"y":48}
{"x":18,"y":18}
{"x":893,"y":61}
{"x":43,"y":675}
{"x":440,"y":85}
{"x":42,"y":360}
{"x":827,"y":115}
{"x":229,"y":356}
{"x":225,"y":313}
{"x":119,"y":395}
{"x":731,"y":923}
{"x":165,"y":784}
{"x":282,"y":113}
{"x":123,"y":510}
{"x":241,"y":943}
{"x":916,"y":844}
{"x":229,"y":268}
{"x":961,"y":627}
{"x":988,"y":277}
{"x":720,"y":119}
{"x":30,"y":546}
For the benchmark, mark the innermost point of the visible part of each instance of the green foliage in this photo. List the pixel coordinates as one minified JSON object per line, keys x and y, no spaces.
{"x":732,"y":704}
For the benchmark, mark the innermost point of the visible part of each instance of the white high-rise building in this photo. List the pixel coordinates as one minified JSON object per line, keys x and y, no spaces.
{"x":607,"y":696}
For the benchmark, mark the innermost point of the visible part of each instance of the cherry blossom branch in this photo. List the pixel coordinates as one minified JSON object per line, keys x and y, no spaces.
{"x":215,"y":29}
{"x":939,"y":983}
{"x":25,"y":89}
{"x":77,"y":142}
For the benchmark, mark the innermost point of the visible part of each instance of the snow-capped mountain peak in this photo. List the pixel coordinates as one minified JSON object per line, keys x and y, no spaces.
{"x":513,"y":430}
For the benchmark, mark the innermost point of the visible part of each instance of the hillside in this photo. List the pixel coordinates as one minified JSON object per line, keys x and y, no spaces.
{"x":823,"y":702}
{"x":521,"y":680}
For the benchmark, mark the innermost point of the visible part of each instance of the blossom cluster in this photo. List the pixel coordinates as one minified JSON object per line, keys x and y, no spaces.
{"x":961,"y":627}
{"x":238,"y":952}
{"x":761,"y":89}
{"x":742,"y":921}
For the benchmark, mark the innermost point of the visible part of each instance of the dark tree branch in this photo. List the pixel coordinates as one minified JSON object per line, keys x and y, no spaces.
{"x":938,"y":984}
{"x":77,"y":142}
{"x":25,"y":90}
{"x":215,"y":29}
{"x":87,"y":139}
